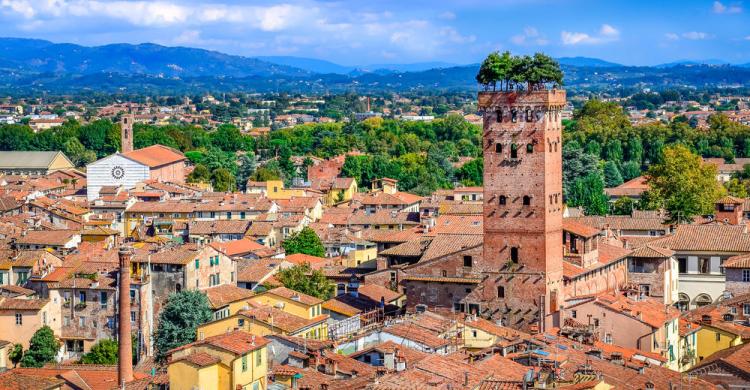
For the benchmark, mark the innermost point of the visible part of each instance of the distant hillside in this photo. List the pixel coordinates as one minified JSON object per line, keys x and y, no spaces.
{"x":586,"y":61}
{"x":29,"y":67}
{"x":27,"y":56}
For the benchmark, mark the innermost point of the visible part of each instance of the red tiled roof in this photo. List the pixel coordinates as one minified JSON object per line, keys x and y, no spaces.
{"x":237,"y":247}
{"x":220,"y":296}
{"x":294,"y":295}
{"x":155,"y":155}
{"x":237,"y":342}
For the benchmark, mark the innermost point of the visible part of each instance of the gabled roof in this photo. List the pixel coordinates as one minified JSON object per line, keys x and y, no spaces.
{"x":652,"y":252}
{"x":155,"y":155}
{"x":739,"y":261}
{"x":30,"y":159}
{"x":220,"y":296}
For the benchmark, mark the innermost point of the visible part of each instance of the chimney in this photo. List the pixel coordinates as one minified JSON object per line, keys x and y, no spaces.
{"x":125,"y":354}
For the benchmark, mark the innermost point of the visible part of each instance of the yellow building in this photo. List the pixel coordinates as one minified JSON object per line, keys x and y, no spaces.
{"x":342,"y":190}
{"x":713,"y":338}
{"x":234,"y":360}
{"x":478,"y":333}
{"x":274,"y":189}
{"x":290,"y":301}
{"x":266,"y":320}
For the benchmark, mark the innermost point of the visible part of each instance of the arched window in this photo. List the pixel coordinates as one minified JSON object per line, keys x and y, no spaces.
{"x":513,"y":151}
{"x":514,"y":254}
{"x":703,"y":300}
{"x":499,"y":114}
{"x":526,"y":200}
{"x":178,"y":287}
{"x":528,"y":115}
{"x":502,"y":200}
{"x":498,"y":147}
{"x":500,"y":292}
{"x":514,"y":115}
{"x":529,"y":148}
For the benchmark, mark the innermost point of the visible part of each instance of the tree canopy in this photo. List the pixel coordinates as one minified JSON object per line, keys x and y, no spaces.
{"x":683,"y":185}
{"x":103,"y":352}
{"x":515,"y":72}
{"x":303,"y":279}
{"x":306,"y":242}
{"x":43,"y":348}
{"x":179,"y":319}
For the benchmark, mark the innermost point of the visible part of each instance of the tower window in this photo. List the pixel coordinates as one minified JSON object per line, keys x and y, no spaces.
{"x":514,"y":115}
{"x":513,"y":151}
{"x":467,"y":261}
{"x":498,"y":147}
{"x":528,"y":115}
{"x":503,"y":200}
{"x":499,"y":116}
{"x":529,"y":148}
{"x":526,"y":200}
{"x":500,"y":292}
{"x":514,"y":254}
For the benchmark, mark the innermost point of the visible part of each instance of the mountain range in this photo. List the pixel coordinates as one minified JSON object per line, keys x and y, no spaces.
{"x":29,"y":66}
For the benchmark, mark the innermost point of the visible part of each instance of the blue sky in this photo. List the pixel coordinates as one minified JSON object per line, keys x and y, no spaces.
{"x":356,"y":32}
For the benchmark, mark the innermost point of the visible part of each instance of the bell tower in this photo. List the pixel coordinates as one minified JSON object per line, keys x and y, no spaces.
{"x":522,"y":251}
{"x":126,"y":133}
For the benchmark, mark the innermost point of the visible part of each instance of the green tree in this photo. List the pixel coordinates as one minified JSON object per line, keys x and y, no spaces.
{"x":43,"y":348}
{"x":303,"y":279}
{"x":683,"y":185}
{"x":179,"y":319}
{"x":78,"y":153}
{"x":576,"y":164}
{"x":612,"y":176}
{"x":16,"y":354}
{"x":588,"y":192}
{"x":200,"y":174}
{"x":305,"y":241}
{"x":246,"y":169}
{"x":223,"y":180}
{"x":490,"y":72}
{"x":630,"y":170}
{"x":623,"y":206}
{"x":736,"y":187}
{"x":103,"y":352}
{"x":471,"y":173}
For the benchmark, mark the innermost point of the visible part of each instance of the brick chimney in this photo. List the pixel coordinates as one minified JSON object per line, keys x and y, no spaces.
{"x":125,"y":354}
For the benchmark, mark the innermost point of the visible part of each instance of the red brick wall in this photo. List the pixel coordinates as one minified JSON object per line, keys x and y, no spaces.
{"x":535,"y":229}
{"x":172,"y":173}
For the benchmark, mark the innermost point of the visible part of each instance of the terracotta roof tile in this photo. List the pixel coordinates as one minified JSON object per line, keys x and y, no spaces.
{"x":155,"y":155}
{"x":294,"y":295}
{"x":237,"y":342}
{"x":220,"y":296}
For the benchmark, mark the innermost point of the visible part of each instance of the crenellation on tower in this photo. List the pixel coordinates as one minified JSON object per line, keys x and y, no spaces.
{"x":522,"y":141}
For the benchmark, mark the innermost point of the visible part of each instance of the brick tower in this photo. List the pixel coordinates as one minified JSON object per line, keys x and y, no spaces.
{"x":125,"y":354}
{"x":126,"y":133}
{"x":523,"y":205}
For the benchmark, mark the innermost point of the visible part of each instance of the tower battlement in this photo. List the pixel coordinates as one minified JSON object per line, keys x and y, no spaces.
{"x":554,"y":98}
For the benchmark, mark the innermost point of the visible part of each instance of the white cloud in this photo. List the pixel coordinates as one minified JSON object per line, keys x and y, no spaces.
{"x":720,"y":8}
{"x":22,"y":7}
{"x":606,"y":33}
{"x":672,"y":36}
{"x":530,"y":36}
{"x":447,"y":15}
{"x":695,"y":35}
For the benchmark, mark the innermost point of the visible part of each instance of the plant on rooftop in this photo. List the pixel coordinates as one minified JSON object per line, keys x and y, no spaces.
{"x":519,"y":72}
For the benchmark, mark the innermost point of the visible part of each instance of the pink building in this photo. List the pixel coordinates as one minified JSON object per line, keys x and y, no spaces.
{"x":165,"y":163}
